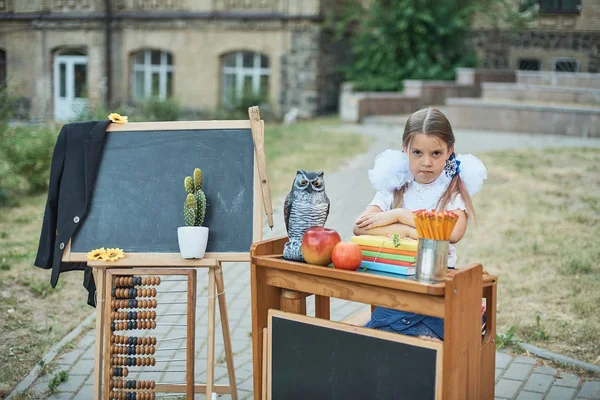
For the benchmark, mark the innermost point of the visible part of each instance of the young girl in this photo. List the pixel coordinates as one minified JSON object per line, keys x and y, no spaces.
{"x":426,"y":174}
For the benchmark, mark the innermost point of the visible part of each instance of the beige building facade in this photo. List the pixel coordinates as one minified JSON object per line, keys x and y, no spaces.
{"x":59,"y":56}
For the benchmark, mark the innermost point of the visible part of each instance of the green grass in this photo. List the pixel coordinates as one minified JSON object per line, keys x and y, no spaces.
{"x":539,"y":231}
{"x":312,"y":146}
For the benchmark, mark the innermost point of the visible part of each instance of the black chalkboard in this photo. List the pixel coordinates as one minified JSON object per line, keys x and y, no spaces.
{"x":312,"y":361}
{"x":138,"y":196}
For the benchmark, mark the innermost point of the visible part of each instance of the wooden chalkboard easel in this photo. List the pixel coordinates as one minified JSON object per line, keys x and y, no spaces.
{"x":239,"y":148}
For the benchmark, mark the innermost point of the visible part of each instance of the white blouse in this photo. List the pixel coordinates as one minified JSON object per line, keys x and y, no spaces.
{"x":419,"y":196}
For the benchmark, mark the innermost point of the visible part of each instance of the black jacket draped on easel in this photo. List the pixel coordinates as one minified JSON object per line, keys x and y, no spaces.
{"x":73,"y":172}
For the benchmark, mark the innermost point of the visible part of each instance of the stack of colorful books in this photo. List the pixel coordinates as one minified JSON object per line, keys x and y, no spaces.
{"x":391,"y":253}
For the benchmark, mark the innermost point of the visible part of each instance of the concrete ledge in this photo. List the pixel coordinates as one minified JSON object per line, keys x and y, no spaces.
{"x":559,"y":79}
{"x":549,"y":118}
{"x":519,"y":91}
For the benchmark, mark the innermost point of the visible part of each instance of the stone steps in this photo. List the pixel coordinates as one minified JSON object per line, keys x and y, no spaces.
{"x":540,"y":93}
{"x":557,"y":118}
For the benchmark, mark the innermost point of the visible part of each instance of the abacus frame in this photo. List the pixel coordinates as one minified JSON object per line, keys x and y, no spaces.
{"x":215,"y":283}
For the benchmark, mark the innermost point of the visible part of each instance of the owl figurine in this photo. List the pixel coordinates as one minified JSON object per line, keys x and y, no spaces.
{"x":306,"y":205}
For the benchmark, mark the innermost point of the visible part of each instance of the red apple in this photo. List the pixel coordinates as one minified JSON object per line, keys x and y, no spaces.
{"x":347,"y":255}
{"x":318,"y":244}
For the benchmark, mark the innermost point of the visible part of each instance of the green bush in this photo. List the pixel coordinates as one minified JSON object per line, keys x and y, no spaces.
{"x":25,"y":158}
{"x":154,"y":109}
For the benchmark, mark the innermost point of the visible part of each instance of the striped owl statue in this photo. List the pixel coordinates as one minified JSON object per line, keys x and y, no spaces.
{"x":305,"y":206}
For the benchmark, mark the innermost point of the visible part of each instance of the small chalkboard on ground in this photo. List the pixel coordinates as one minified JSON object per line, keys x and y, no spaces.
{"x":311,"y":358}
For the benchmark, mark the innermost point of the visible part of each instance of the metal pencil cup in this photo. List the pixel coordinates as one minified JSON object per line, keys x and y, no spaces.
{"x":432,"y":260}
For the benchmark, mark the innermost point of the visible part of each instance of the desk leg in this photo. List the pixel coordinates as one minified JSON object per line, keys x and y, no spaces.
{"x":99,"y":277}
{"x":226,"y":332}
{"x":322,"y":307}
{"x":488,"y":348}
{"x":264,"y":297}
{"x":293,"y":301}
{"x":462,"y":335}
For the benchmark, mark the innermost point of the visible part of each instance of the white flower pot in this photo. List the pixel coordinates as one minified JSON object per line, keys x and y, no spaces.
{"x":192,"y":241}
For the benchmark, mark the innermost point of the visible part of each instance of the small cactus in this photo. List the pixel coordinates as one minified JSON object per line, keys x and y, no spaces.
{"x":197,"y":179}
{"x":200,"y":198}
{"x":188,"y":182}
{"x":189,"y":210}
{"x":194,"y":209}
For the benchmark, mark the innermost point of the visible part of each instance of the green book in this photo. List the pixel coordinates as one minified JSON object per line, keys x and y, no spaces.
{"x":388,"y":256}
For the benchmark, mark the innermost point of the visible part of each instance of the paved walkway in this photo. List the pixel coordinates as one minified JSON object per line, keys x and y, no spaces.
{"x":349,"y":190}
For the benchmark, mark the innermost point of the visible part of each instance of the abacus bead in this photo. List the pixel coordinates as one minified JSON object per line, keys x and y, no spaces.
{"x":139,"y":362}
{"x":153,"y":361}
{"x":154,"y":303}
{"x":157,"y":280}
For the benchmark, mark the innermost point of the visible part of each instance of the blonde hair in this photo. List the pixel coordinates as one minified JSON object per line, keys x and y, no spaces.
{"x":432,"y":122}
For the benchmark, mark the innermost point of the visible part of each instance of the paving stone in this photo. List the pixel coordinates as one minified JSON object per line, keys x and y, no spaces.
{"x":86,"y":392}
{"x":87,"y":341}
{"x":502,"y":360}
{"x":525,"y":360}
{"x":518,"y":371}
{"x":560,"y":393}
{"x":73,"y":383}
{"x":499,"y":372}
{"x":69,"y":358}
{"x":82,"y":367}
{"x":568,"y":380}
{"x":538,"y":383}
{"x":544,"y":370}
{"x":525,"y":395}
{"x":41,"y":384}
{"x":61,"y":396}
{"x":507,"y":388}
{"x":590,"y":390}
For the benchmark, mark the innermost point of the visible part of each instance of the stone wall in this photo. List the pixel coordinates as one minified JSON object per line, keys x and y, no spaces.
{"x":300,"y":72}
{"x":501,"y":50}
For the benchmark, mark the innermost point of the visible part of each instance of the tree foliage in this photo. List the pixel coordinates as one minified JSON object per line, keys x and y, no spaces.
{"x":392,"y":40}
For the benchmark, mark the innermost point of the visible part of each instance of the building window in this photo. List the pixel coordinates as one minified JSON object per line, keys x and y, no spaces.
{"x":2,"y":68}
{"x":244,"y":74}
{"x":560,"y":6}
{"x":562,"y":64}
{"x":152,"y":74}
{"x":529,"y":64}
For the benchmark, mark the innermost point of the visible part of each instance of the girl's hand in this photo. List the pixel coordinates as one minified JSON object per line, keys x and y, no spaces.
{"x":374,"y":220}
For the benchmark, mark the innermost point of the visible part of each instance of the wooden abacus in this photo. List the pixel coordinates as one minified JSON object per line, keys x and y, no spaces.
{"x":132,"y":305}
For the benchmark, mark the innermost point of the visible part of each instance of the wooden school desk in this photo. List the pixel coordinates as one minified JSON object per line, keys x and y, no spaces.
{"x":468,"y":357}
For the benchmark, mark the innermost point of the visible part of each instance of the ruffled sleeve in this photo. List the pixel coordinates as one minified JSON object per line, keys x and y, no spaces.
{"x":457,"y":204}
{"x":390,"y":171}
{"x":383,"y":200}
{"x":472,"y":172}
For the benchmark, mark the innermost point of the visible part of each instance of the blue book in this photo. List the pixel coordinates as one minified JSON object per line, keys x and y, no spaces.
{"x":390,"y":268}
